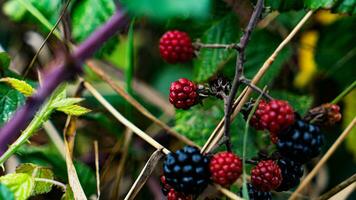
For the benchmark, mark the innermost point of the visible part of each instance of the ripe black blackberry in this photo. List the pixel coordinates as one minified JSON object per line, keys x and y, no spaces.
{"x":300,"y":142}
{"x":292,"y":171}
{"x":255,"y":194}
{"x":187,"y":170}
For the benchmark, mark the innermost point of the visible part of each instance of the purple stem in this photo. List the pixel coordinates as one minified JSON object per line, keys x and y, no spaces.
{"x":57,"y":75}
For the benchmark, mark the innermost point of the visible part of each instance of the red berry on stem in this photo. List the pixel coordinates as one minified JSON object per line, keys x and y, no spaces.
{"x":176,"y":46}
{"x":273,"y":116}
{"x":225,"y":168}
{"x":266,"y":176}
{"x":183,"y":94}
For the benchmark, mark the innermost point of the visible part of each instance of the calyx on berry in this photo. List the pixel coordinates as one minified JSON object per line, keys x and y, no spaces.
{"x":176,"y":46}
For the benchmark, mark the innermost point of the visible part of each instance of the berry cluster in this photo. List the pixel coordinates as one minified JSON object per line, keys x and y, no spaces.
{"x":187,"y":172}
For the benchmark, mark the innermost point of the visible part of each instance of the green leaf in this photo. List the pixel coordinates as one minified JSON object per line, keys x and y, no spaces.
{"x":316,"y":4}
{"x":37,"y":172}
{"x":20,"y":184}
{"x":300,"y":103}
{"x":210,"y":61}
{"x":68,"y":195}
{"x":4,"y":60}
{"x":73,"y":110}
{"x":87,"y":16}
{"x":66,"y":102}
{"x":337,"y":58}
{"x":194,"y":124}
{"x":10,"y":100}
{"x":168,"y":9}
{"x":21,"y":86}
{"x":282,"y":5}
{"x":5,"y":193}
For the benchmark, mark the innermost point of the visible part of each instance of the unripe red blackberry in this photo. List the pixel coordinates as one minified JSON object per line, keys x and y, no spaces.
{"x":326,"y":114}
{"x":266,"y":175}
{"x":176,"y":46}
{"x":273,"y":116}
{"x":173,"y":195}
{"x":183,"y":93}
{"x":225,"y":168}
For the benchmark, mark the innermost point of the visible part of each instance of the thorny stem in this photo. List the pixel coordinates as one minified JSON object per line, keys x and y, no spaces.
{"x":58,"y":74}
{"x":256,"y":88}
{"x":239,"y":68}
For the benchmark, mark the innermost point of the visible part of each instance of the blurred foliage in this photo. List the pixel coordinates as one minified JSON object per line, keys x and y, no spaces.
{"x":163,"y":9}
{"x":323,"y":50}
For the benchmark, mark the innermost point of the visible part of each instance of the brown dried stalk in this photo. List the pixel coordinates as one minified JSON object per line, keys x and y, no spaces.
{"x":323,"y":160}
{"x":338,"y":188}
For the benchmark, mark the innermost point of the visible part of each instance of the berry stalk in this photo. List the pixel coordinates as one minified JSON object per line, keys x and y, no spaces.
{"x":57,"y":75}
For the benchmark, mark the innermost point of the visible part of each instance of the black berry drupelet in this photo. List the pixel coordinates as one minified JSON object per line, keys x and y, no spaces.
{"x":255,"y":194}
{"x":301,"y":141}
{"x":292,"y":171}
{"x":187,"y":170}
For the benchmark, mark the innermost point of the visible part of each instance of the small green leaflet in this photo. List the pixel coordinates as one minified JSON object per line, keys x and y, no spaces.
{"x":5,"y":193}
{"x":73,"y":110}
{"x":20,"y":184}
{"x":21,"y":86}
{"x":37,"y":172}
{"x":66,"y":102}
{"x":10,"y":100}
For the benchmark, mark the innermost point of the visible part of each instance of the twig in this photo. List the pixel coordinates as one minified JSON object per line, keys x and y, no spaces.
{"x":136,"y":104}
{"x":54,"y":182}
{"x":239,"y":67}
{"x":97,"y":169}
{"x":57,"y":75}
{"x":323,"y":160}
{"x":255,"y":88}
{"x":344,"y":93}
{"x":218,"y":128}
{"x":27,"y":70}
{"x":338,"y":188}
{"x":247,"y":91}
